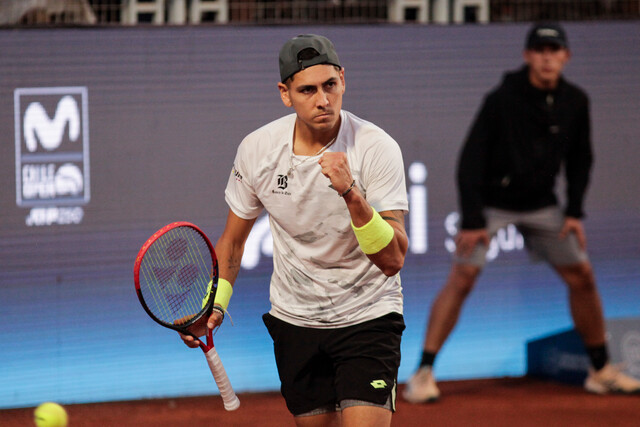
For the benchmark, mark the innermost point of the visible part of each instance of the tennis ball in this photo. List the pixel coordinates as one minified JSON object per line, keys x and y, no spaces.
{"x":50,"y":414}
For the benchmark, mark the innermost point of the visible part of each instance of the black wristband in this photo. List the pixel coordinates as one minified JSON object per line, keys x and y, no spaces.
{"x":348,"y":189}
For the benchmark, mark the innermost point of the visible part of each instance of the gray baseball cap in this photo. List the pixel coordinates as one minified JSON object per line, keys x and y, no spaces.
{"x":546,"y":34}
{"x":321,"y":51}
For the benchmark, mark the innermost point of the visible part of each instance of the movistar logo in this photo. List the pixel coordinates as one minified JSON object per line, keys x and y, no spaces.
{"x":49,"y":132}
{"x":378,"y":384}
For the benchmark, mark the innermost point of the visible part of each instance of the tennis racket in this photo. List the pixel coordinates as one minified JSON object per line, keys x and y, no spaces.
{"x":174,"y":274}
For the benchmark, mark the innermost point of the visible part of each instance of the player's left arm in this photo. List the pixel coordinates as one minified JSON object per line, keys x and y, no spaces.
{"x":578,"y":162}
{"x":381,"y":235}
{"x":390,"y":259}
{"x":229,"y":249}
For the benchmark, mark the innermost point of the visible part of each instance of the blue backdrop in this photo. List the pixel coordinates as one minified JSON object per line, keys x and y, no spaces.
{"x":109,"y":134}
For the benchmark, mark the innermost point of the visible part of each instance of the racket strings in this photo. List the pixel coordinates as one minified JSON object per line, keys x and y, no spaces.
{"x":174,"y":274}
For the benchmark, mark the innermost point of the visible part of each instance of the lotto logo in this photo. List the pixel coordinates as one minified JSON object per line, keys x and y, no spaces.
{"x":52,"y":146}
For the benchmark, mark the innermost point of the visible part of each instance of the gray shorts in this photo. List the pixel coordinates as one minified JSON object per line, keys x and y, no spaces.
{"x":540,"y":230}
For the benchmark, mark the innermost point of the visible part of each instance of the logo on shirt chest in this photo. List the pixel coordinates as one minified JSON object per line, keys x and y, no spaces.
{"x":282,"y":182}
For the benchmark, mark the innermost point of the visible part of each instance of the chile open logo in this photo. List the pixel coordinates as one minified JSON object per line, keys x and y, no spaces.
{"x":52,"y":153}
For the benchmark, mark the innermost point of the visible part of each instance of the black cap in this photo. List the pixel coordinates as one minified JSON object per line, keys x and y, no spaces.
{"x":546,"y":34}
{"x":321,"y":52}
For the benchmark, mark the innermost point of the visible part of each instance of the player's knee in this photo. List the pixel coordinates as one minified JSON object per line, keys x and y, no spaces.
{"x":579,"y":277}
{"x":463,"y":277}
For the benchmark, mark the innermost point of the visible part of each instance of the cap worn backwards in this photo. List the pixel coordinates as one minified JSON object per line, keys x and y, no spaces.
{"x":546,"y":34}
{"x":292,"y":59}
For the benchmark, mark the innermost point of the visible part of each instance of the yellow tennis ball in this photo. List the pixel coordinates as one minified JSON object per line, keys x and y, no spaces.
{"x":50,"y":414}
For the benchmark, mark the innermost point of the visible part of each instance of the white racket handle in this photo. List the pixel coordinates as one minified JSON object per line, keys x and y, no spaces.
{"x":229,"y":398}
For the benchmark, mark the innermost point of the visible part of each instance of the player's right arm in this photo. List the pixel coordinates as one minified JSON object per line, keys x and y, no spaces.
{"x":229,"y":250}
{"x":473,"y":165}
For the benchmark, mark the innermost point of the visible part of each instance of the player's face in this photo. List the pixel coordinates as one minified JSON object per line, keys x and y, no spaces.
{"x":316,"y":95}
{"x":545,"y":65}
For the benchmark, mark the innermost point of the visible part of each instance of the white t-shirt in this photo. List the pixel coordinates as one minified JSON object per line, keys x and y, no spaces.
{"x":321,"y":278}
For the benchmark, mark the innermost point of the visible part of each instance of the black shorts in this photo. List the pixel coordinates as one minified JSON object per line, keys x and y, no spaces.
{"x":319,"y":368}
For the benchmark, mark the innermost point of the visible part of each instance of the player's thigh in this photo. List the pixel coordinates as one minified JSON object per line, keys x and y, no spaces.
{"x":328,"y":419}
{"x":306,"y":374}
{"x":495,"y":220}
{"x":369,"y":416}
{"x":367,"y":357}
{"x":541,"y":231}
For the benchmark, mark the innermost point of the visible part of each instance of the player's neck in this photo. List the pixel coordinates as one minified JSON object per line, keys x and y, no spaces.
{"x":308,"y":143}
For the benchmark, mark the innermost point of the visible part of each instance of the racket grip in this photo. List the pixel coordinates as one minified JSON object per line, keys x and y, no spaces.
{"x":229,"y":398}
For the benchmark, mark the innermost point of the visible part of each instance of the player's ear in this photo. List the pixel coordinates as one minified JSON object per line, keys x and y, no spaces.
{"x":284,"y":94}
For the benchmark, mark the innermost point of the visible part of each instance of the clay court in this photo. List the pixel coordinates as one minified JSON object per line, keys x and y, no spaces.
{"x":506,"y":402}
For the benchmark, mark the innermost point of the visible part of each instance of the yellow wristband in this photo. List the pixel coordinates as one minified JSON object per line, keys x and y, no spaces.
{"x":374,"y":235}
{"x":223,"y":293}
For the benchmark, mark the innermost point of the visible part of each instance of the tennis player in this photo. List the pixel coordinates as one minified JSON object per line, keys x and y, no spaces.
{"x":535,"y":123}
{"x":333,"y":185}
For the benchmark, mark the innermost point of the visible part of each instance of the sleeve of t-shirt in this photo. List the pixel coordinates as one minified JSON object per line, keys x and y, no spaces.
{"x":240,"y":194}
{"x":383,"y":174}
